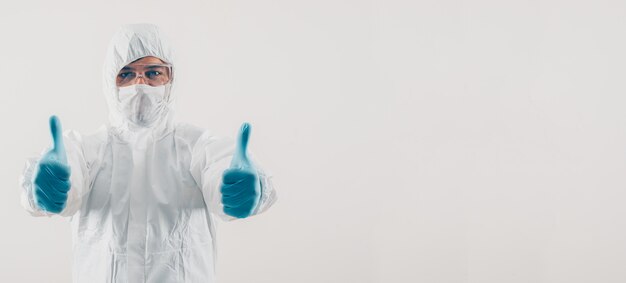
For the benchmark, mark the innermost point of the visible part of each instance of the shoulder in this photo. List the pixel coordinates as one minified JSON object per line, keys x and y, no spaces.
{"x":197,"y":137}
{"x":188,"y":133}
{"x":202,"y":139}
{"x":88,"y":140}
{"x":89,"y":145}
{"x":96,"y":138}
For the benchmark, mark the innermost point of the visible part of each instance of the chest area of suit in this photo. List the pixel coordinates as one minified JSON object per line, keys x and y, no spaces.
{"x":156,"y":174}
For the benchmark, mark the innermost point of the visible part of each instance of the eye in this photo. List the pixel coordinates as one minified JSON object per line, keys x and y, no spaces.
{"x":125,"y":75}
{"x":153,"y":74}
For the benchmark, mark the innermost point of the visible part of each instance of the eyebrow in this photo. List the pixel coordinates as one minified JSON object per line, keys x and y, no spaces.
{"x":146,"y":66}
{"x":155,"y":66}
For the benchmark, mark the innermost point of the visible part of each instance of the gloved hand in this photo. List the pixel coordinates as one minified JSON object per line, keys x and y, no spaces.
{"x":52,"y":176}
{"x":241,"y":190}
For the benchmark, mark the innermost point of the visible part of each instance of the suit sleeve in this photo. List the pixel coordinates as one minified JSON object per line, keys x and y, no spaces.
{"x":210,"y":157}
{"x":79,"y":178}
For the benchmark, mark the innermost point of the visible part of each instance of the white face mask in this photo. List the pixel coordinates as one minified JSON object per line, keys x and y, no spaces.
{"x":143,"y":104}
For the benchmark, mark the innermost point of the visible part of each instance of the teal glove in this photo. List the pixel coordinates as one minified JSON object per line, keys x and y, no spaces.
{"x":241,"y":189}
{"x":52,"y":176}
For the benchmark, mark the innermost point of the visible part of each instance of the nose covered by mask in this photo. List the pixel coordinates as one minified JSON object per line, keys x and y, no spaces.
{"x":143,"y":104}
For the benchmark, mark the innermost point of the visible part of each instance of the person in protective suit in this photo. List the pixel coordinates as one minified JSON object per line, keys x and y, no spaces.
{"x":143,"y":191}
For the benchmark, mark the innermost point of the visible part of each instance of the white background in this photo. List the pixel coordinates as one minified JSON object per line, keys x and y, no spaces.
{"x":411,"y":141}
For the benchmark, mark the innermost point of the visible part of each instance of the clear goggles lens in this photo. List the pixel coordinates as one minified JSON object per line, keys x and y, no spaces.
{"x":150,"y":74}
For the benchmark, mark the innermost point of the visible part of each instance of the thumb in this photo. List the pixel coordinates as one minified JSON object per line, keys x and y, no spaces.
{"x":57,"y":138}
{"x":240,"y":157}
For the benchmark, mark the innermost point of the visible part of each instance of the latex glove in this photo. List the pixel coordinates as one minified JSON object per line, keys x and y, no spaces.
{"x":241,"y":190}
{"x":52,"y":176}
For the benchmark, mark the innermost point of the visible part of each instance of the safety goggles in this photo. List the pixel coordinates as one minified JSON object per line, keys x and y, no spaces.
{"x":150,"y":74}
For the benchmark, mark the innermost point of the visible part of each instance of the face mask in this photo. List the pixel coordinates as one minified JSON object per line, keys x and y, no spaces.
{"x":142,"y":104}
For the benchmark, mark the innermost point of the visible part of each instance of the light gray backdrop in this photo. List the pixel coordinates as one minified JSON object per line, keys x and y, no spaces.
{"x":411,"y":141}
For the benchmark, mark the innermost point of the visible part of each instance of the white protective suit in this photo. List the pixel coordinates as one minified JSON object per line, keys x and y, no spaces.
{"x":142,"y":201}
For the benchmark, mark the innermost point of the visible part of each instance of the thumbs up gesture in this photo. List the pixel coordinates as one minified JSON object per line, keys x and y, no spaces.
{"x":241,"y":190}
{"x":52,"y":176}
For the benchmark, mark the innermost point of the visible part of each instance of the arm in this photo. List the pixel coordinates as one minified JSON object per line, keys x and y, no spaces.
{"x":55,"y":182}
{"x":211,"y":158}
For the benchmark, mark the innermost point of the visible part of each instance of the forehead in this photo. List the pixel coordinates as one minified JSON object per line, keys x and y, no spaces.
{"x":144,"y":61}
